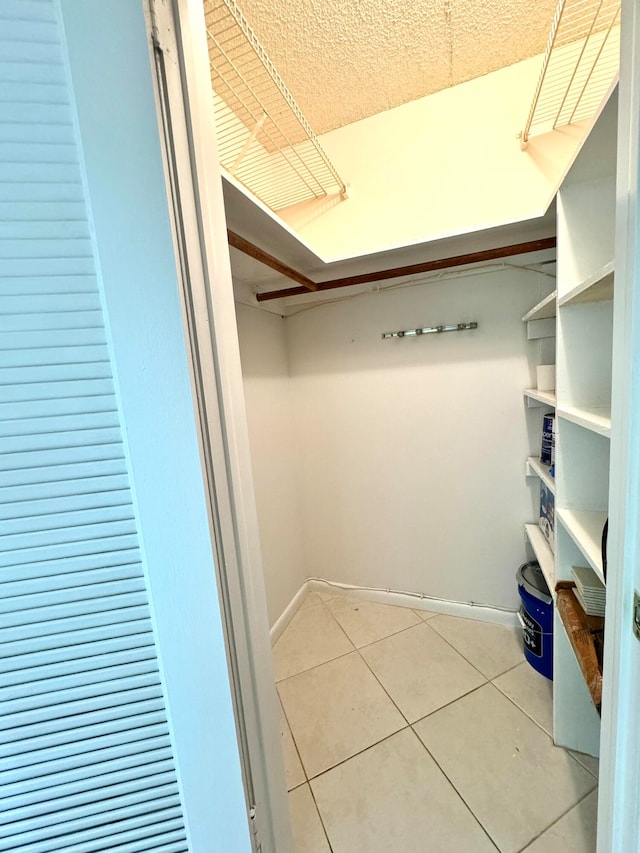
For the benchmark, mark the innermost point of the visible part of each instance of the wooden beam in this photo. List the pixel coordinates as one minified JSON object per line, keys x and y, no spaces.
{"x":268,"y":260}
{"x":414,"y":269}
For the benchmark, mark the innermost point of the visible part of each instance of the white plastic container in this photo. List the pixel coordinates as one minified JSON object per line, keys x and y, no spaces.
{"x":546,"y":377}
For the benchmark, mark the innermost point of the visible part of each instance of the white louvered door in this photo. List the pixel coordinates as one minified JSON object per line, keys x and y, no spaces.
{"x":86,"y":761}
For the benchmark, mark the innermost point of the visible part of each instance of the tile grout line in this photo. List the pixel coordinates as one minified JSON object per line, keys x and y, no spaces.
{"x":308,"y":669}
{"x":409,"y":725}
{"x":387,"y":694}
{"x":393,"y":634}
{"x":448,"y":704}
{"x":530,"y":716}
{"x":557,"y":820}
{"x":315,"y":666}
{"x":523,"y":849}
{"x":437,"y":763}
{"x":463,"y":656}
{"x":322,"y":824}
{"x":568,"y":751}
{"x":333,"y":766}
{"x":295,"y":745}
{"x":357,"y":754}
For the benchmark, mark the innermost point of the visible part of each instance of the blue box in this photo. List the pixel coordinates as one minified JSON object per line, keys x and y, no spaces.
{"x":547,"y":515}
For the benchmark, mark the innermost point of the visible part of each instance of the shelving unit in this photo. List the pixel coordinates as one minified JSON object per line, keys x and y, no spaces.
{"x":537,"y":468}
{"x":540,"y":398}
{"x":544,"y":554}
{"x":595,"y":418}
{"x":585,"y":528}
{"x":544,"y":310}
{"x":595,"y":288}
{"x":583,"y":311}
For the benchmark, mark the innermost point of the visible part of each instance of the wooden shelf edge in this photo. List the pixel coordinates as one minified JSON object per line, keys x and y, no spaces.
{"x":580,"y":630}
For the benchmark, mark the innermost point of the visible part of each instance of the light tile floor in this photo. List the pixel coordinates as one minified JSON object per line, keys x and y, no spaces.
{"x":406,"y":731}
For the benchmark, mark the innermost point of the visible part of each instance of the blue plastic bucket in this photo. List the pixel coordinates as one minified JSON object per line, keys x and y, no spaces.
{"x":536,"y":618}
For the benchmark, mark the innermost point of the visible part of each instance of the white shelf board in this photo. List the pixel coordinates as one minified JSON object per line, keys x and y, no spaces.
{"x":544,"y":555}
{"x":543,"y":310}
{"x":585,"y":528}
{"x":597,"y":287}
{"x":539,"y":469}
{"x":540,"y":398}
{"x":595,"y":418}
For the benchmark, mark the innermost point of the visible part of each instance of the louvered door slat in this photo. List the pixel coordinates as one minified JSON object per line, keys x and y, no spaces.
{"x":62,"y":475}
{"x":35,"y":341}
{"x":32,"y":303}
{"x":12,"y":545}
{"x":56,"y":355}
{"x":54,"y":754}
{"x":123,"y":838}
{"x":24,"y":171}
{"x":78,"y":594}
{"x":70,"y":565}
{"x":48,"y":789}
{"x":70,"y":581}
{"x":83,"y":607}
{"x":159,"y":844}
{"x":64,"y":711}
{"x":42,"y":192}
{"x":26,"y":10}
{"x":83,"y":670}
{"x":42,"y":690}
{"x":71,"y":546}
{"x":144,"y":674}
{"x":38,"y":152}
{"x":37,"y":522}
{"x":132,"y":820}
{"x":61,"y":423}
{"x":20,"y":133}
{"x":43,"y":391}
{"x":88,"y":817}
{"x":61,"y":456}
{"x":85,"y":748}
{"x":36,"y":30}
{"x":81,"y":636}
{"x":59,"y":439}
{"x":63,"y":505}
{"x":53,"y":802}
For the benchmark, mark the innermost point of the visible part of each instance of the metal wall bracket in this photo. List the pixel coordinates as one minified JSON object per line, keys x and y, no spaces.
{"x":429,"y":330}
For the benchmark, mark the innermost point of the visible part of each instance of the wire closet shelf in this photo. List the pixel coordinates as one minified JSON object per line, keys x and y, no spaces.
{"x":264,"y":140}
{"x":581,"y":64}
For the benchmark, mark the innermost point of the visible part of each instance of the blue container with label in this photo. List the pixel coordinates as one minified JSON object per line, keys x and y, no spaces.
{"x":536,"y":618}
{"x":546,"y":447}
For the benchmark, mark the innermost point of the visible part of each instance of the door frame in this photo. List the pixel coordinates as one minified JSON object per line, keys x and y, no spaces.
{"x":618,"y":805}
{"x":178,"y":29}
{"x":183,"y":91}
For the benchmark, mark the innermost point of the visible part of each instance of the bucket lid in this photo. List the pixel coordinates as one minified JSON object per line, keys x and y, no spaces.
{"x":530,"y":576}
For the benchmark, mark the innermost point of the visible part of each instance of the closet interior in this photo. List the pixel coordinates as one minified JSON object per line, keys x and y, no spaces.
{"x":401,"y":474}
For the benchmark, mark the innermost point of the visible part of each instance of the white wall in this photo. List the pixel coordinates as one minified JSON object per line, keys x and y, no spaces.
{"x":446,"y":164}
{"x":412,"y":464}
{"x":272,"y":437}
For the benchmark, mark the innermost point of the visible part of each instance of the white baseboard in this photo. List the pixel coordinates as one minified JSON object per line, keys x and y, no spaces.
{"x":465,"y":609}
{"x":468,"y":610}
{"x":288,"y":613}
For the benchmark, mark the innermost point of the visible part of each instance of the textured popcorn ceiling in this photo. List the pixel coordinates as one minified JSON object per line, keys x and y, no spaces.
{"x":344,"y":60}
